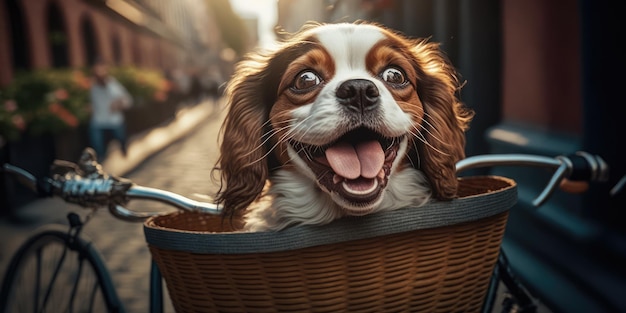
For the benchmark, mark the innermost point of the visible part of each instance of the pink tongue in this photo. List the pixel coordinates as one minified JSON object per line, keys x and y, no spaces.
{"x":365,"y":159}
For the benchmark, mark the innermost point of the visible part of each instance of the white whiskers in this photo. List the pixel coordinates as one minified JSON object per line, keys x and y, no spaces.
{"x":421,"y":138}
{"x":285,"y":137}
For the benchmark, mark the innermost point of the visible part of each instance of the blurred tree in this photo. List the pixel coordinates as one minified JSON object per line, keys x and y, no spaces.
{"x":233,"y":29}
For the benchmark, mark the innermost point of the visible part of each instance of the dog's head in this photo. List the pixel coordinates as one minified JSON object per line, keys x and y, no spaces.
{"x":348,"y":106}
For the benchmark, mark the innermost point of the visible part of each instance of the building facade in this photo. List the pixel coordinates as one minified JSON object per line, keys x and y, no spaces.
{"x":156,"y":34}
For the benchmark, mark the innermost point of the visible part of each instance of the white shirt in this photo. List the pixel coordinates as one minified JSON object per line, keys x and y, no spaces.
{"x":101,"y":98}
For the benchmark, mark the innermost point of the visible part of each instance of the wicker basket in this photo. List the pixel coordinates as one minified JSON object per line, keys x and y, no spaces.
{"x":436,"y":258}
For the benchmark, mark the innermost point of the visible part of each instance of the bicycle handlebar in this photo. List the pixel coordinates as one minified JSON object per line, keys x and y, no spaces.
{"x":105,"y":190}
{"x":580,"y":166}
{"x":86,"y":184}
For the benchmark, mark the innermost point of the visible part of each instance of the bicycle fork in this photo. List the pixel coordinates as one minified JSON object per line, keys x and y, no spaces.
{"x":517,"y":299}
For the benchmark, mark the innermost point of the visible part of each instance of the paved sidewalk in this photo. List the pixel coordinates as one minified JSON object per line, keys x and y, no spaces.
{"x":146,"y":144}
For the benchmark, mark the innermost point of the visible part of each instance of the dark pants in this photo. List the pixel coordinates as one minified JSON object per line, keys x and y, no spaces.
{"x":98,"y":136}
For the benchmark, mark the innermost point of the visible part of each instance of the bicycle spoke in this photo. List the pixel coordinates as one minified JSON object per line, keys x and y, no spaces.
{"x":37,"y":280}
{"x":53,"y":279}
{"x":47,"y":275}
{"x":75,"y":286}
{"x":92,"y":298}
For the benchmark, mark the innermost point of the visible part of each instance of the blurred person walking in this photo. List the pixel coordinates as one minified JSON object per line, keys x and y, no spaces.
{"x":109,"y":100}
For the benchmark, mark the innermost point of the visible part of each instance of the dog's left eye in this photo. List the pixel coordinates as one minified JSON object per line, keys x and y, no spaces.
{"x":393,"y":76}
{"x":306,"y":80}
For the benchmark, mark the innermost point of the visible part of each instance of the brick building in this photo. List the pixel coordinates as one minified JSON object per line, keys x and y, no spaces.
{"x":157,"y":34}
{"x":182,"y":37}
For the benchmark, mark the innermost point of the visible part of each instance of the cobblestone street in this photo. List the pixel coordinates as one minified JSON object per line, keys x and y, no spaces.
{"x":183,"y":167}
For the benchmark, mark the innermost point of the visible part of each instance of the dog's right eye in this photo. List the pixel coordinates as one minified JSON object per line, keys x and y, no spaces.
{"x":305,"y":81}
{"x":394,"y":76}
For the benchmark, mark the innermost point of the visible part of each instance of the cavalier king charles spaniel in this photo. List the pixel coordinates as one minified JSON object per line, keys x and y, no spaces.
{"x":341,"y":119}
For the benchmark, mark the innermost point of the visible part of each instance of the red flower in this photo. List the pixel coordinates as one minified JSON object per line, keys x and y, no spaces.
{"x":160,"y":96}
{"x":19,"y":122}
{"x":61,"y":94}
{"x":10,"y":105}
{"x":63,"y":114}
{"x":165,"y":85}
{"x":81,"y":80}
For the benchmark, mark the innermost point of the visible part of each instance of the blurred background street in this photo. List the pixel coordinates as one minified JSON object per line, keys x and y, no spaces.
{"x":544,"y":77}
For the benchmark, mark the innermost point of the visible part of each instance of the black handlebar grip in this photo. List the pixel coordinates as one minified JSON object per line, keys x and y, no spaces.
{"x":581,"y":169}
{"x":587,"y":167}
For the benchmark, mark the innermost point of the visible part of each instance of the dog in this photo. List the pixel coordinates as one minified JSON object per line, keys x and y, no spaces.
{"x":340,"y":120}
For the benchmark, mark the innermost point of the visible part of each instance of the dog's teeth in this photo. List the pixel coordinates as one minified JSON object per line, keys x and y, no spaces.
{"x":381,"y":174}
{"x":337,"y":179}
{"x":359,"y":191}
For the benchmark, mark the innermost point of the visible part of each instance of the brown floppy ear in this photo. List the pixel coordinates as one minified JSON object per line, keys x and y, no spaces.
{"x":242,"y":160}
{"x":445,"y":120}
{"x":245,"y":158}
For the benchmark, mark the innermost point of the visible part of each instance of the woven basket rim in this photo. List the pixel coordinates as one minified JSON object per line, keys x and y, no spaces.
{"x":432,"y":215}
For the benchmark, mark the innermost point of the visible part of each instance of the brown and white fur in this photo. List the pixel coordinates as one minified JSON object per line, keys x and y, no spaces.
{"x":341,"y":119}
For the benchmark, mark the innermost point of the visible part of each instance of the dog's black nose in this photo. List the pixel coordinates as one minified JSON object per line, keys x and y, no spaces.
{"x":360,"y":95}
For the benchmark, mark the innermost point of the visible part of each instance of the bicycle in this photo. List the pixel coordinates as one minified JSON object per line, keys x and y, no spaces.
{"x":29,"y":285}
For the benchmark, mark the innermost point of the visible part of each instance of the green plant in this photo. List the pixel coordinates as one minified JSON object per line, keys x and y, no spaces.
{"x":43,"y":101}
{"x":54,"y":100}
{"x":143,"y":84}
{"x":11,"y":122}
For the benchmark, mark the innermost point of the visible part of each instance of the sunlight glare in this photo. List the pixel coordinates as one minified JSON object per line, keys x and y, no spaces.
{"x":266,"y":13}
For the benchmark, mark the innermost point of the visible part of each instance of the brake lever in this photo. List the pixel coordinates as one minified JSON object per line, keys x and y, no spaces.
{"x":173,"y":199}
{"x":619,"y":186}
{"x":580,"y":166}
{"x":23,"y":177}
{"x":130,"y":216}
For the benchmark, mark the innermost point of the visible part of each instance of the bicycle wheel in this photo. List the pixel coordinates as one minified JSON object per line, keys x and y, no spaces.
{"x":54,"y":272}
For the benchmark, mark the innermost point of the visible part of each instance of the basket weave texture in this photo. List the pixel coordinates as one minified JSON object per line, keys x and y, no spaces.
{"x":439,"y":269}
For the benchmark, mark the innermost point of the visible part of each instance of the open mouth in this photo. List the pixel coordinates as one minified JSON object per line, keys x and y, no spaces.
{"x":356,"y":166}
